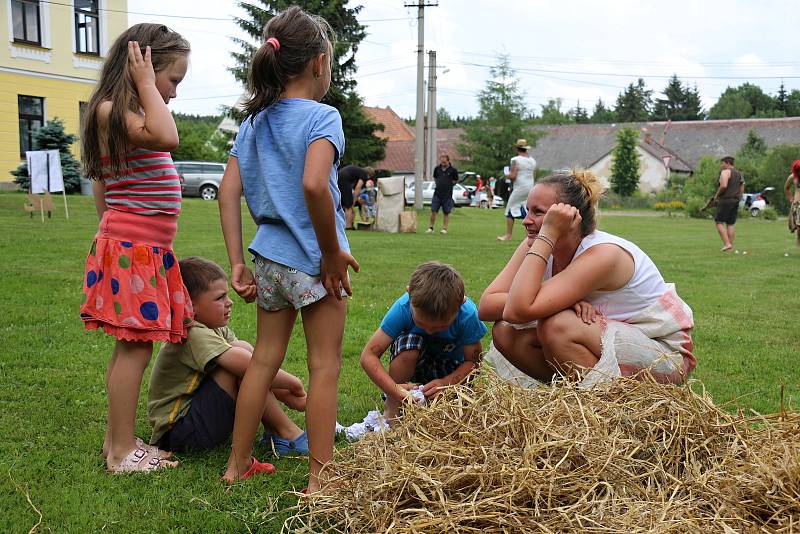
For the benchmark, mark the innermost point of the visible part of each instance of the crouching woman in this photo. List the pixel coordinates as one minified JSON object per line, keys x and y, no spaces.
{"x":573,"y":298}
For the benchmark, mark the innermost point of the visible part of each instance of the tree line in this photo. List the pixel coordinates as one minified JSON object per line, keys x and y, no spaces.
{"x":678,"y":101}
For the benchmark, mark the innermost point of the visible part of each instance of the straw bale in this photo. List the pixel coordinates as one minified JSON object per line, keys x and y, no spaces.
{"x":627,"y":456}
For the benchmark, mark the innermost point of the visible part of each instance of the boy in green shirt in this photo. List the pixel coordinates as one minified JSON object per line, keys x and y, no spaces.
{"x":193,"y":387}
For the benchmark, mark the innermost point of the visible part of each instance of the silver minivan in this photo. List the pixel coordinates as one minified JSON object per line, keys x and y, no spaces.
{"x":200,"y":178}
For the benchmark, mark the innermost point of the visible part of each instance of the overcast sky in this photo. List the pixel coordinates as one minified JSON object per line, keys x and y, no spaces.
{"x":574,"y":50}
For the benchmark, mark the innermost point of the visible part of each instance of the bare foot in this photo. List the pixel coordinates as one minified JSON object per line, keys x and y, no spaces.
{"x":504,"y":238}
{"x":726,"y":248}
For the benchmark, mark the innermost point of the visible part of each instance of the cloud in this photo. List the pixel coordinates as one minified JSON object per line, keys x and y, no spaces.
{"x":584,"y":39}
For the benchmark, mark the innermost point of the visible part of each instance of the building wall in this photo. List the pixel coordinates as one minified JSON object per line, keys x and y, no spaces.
{"x":652,"y":179}
{"x":53,"y":71}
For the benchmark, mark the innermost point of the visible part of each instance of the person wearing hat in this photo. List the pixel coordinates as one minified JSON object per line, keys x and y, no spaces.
{"x":521,"y":174}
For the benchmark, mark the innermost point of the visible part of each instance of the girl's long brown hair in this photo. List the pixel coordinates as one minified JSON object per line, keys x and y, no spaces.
{"x":301,"y":38}
{"x":116,"y":85}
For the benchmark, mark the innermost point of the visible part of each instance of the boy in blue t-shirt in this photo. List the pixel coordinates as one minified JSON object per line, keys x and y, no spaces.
{"x":434,"y":334}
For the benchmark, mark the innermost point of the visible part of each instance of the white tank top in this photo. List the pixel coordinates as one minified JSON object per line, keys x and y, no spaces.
{"x":642,"y":290}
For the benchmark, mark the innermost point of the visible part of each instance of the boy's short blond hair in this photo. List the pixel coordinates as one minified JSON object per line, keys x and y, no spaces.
{"x":199,"y":273}
{"x":436,"y":290}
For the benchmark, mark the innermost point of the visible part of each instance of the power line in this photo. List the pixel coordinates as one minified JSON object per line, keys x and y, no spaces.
{"x":552,"y":59}
{"x":191,"y":17}
{"x":629,"y":75}
{"x":140,"y":13}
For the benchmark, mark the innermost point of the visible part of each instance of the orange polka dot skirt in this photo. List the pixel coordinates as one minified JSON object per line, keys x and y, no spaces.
{"x":132,"y":281}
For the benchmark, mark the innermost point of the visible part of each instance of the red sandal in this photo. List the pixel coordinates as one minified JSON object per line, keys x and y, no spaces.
{"x":256,"y":468}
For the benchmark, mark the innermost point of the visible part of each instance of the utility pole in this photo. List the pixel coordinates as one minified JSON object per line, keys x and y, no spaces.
{"x":419,"y":158}
{"x":432,"y":153}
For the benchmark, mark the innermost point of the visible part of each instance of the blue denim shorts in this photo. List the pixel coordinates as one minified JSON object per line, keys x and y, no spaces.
{"x":446,"y":204}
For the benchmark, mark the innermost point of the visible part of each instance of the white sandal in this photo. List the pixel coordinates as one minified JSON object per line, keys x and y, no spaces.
{"x":140,"y":460}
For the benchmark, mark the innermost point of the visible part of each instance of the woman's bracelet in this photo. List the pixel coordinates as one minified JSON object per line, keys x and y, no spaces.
{"x":547,"y":240}
{"x":534,"y":253}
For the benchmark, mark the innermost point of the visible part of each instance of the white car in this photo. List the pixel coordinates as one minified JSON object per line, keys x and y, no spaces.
{"x":755,"y":202}
{"x":480,"y":200}
{"x":460,"y":194}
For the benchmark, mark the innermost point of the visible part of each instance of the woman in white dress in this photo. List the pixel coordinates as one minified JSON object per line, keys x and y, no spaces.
{"x":521,"y":174}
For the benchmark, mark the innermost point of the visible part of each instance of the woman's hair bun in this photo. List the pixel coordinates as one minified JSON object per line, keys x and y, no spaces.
{"x":590,"y":184}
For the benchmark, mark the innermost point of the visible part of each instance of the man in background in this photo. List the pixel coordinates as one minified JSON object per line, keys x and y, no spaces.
{"x":445,"y":176}
{"x":731,"y":188}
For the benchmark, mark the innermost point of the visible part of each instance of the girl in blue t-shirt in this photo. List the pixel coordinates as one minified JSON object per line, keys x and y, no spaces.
{"x":285,"y":161}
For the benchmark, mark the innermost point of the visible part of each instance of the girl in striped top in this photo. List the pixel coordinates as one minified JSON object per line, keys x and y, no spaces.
{"x":132,"y":282}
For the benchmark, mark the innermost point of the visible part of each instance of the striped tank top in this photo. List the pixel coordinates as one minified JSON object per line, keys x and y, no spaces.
{"x":149,"y":187}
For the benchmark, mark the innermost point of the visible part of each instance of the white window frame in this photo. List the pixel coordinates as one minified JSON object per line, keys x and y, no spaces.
{"x":44,"y":28}
{"x":102,"y":8}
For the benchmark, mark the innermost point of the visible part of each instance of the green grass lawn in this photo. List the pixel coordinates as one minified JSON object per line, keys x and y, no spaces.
{"x":52,"y":400}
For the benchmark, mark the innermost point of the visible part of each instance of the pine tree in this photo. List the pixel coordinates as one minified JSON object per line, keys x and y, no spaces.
{"x":693,"y":105}
{"x":52,"y":136}
{"x":634,"y":103}
{"x":680,"y":103}
{"x":362,"y":148}
{"x":489,"y":139}
{"x":781,"y":99}
{"x":579,"y":114}
{"x":625,"y":169}
{"x":601,"y":114}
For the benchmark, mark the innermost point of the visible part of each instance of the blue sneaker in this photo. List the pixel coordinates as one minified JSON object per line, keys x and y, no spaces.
{"x":287,"y":447}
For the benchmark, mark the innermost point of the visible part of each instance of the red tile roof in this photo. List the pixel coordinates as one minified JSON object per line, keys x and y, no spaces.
{"x":400,"y":141}
{"x":394,"y":128}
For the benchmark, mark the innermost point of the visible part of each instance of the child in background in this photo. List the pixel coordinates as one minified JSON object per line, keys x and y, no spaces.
{"x":369,"y":196}
{"x":285,"y":159}
{"x":194,"y":384}
{"x":434,"y":334}
{"x":133,"y":286}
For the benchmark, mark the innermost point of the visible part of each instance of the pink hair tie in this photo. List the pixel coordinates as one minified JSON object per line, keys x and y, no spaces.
{"x":274,"y":42}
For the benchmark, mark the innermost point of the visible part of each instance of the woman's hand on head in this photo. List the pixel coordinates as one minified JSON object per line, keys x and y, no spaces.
{"x":560,"y":220}
{"x":141,"y":66}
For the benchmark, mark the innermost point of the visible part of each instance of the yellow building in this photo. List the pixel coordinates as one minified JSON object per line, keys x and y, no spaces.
{"x":49,"y":68}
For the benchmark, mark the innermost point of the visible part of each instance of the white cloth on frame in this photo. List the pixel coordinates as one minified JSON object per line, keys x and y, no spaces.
{"x":44,"y":170}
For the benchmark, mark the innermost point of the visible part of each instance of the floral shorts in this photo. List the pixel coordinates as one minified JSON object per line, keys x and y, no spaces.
{"x":279,"y":287}
{"x":794,"y":216}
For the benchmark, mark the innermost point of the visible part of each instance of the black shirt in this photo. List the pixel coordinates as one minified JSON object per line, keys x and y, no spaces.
{"x":445,"y":178}
{"x":350,"y":175}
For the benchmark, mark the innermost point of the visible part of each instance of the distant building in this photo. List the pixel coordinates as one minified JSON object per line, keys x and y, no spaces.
{"x":685,"y":142}
{"x":400,"y":141}
{"x":53,"y":59}
{"x":665,"y":148}
{"x":658,"y":164}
